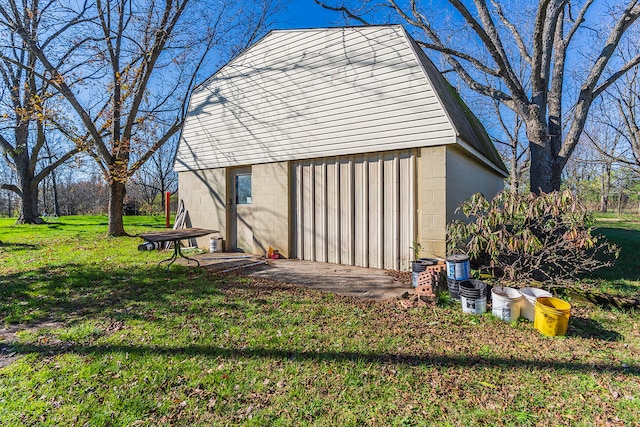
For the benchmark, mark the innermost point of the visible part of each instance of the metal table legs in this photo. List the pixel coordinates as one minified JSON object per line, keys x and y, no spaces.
{"x":177,"y":252}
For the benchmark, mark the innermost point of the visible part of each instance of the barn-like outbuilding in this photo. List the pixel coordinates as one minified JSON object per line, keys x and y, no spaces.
{"x":340,"y":145}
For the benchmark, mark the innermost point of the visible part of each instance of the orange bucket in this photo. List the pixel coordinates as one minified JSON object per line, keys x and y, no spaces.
{"x":551,"y":316}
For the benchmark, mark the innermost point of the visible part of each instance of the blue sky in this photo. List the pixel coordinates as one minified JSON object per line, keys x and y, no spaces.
{"x":307,"y":14}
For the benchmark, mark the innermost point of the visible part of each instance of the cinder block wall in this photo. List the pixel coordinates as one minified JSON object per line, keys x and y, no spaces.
{"x":203,"y":193}
{"x":431,"y":203}
{"x":270,"y":207}
{"x":465,"y":177}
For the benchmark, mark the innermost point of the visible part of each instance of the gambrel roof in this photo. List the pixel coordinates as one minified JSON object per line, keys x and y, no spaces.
{"x":299,"y":94}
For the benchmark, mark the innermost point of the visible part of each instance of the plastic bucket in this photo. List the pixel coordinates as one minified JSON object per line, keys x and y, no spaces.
{"x":454,"y":289}
{"x":428,"y":261}
{"x":458,"y":267}
{"x":473,"y":288}
{"x":215,"y":244}
{"x":528,"y":303}
{"x":552,"y":316}
{"x":506,"y":303}
{"x":473,"y":305}
{"x":473,"y":296}
{"x":417,"y":267}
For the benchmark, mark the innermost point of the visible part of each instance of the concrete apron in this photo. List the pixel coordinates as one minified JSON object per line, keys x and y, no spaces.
{"x":359,"y":282}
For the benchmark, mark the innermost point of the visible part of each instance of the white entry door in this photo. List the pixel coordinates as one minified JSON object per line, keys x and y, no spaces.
{"x":241,"y":215}
{"x":356,"y":210}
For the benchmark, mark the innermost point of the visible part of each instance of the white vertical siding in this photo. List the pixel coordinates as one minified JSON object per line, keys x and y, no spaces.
{"x":308,"y":219}
{"x":376,"y":254}
{"x":314,"y":93}
{"x":299,"y":196}
{"x":361,"y":210}
{"x":333,"y":211}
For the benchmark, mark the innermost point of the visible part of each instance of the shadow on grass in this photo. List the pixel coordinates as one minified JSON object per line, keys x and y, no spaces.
{"x":330,"y":356}
{"x":588,"y":328}
{"x":70,"y":290}
{"x":628,"y":264}
{"x":14,"y":247}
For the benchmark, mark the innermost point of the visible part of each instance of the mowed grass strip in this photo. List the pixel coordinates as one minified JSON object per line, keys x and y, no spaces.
{"x":105,"y":337}
{"x":624,"y":278}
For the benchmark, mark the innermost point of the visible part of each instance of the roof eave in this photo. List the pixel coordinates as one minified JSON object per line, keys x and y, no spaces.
{"x":484,"y":159}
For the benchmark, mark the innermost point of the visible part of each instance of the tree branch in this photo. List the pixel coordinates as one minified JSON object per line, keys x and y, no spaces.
{"x":79,"y":18}
{"x":611,"y":156}
{"x":615,"y":76}
{"x":57,"y":80}
{"x":538,"y":44}
{"x":514,"y":31}
{"x":344,"y":10}
{"x":6,"y":146}
{"x":11,"y":187}
{"x":474,"y":84}
{"x":172,"y":131}
{"x":588,"y":91}
{"x":162,"y":35}
{"x":456,"y":53}
{"x":578,"y":21}
{"x":496,"y":49}
{"x":66,"y":156}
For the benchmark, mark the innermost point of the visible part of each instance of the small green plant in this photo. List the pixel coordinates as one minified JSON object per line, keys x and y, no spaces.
{"x":416,"y":247}
{"x":443,"y":299}
{"x":546,"y":237}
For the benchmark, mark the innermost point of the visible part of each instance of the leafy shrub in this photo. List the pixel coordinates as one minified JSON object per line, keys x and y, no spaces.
{"x":546,"y":237}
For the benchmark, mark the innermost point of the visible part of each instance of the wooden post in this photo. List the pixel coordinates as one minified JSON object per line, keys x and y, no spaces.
{"x":167,"y":208}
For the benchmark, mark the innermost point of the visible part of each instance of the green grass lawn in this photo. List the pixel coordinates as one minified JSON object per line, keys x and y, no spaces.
{"x":624,"y":278}
{"x":106,"y":338}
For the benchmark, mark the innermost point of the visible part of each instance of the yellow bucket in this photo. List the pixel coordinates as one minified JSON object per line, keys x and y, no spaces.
{"x":552,"y":316}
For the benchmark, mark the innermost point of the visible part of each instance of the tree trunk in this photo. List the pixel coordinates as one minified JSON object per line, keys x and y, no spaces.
{"x":10,"y":204}
{"x":117,"y":191}
{"x":514,"y":173}
{"x":541,"y":170}
{"x":545,"y":173}
{"x":619,"y":202}
{"x":44,"y":191}
{"x":162,"y":192}
{"x":29,"y":211}
{"x":606,"y":188}
{"x":56,"y":202}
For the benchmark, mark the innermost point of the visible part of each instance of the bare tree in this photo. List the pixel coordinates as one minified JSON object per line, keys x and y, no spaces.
{"x":491,"y":40}
{"x":7,"y":203}
{"x":86,"y":196}
{"x":156,"y":178}
{"x":25,"y":99}
{"x":589,"y":172}
{"x":512,"y":148}
{"x":604,"y":152}
{"x":626,"y":99}
{"x":142,"y":59}
{"x":613,"y":130}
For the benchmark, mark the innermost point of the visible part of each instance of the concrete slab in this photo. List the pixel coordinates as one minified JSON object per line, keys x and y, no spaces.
{"x":366,"y":283}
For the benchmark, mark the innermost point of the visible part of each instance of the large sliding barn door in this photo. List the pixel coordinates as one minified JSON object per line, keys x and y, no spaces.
{"x":356,"y":210}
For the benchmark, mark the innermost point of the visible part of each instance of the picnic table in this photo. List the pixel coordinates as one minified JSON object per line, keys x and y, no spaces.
{"x":176,"y":236}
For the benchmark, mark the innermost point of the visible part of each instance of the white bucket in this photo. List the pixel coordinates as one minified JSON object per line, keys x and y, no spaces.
{"x":215,"y":244}
{"x":506,"y":303}
{"x":473,"y":306}
{"x":529,"y":301}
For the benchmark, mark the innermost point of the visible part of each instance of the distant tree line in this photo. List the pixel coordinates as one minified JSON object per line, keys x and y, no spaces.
{"x":76,"y":188}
